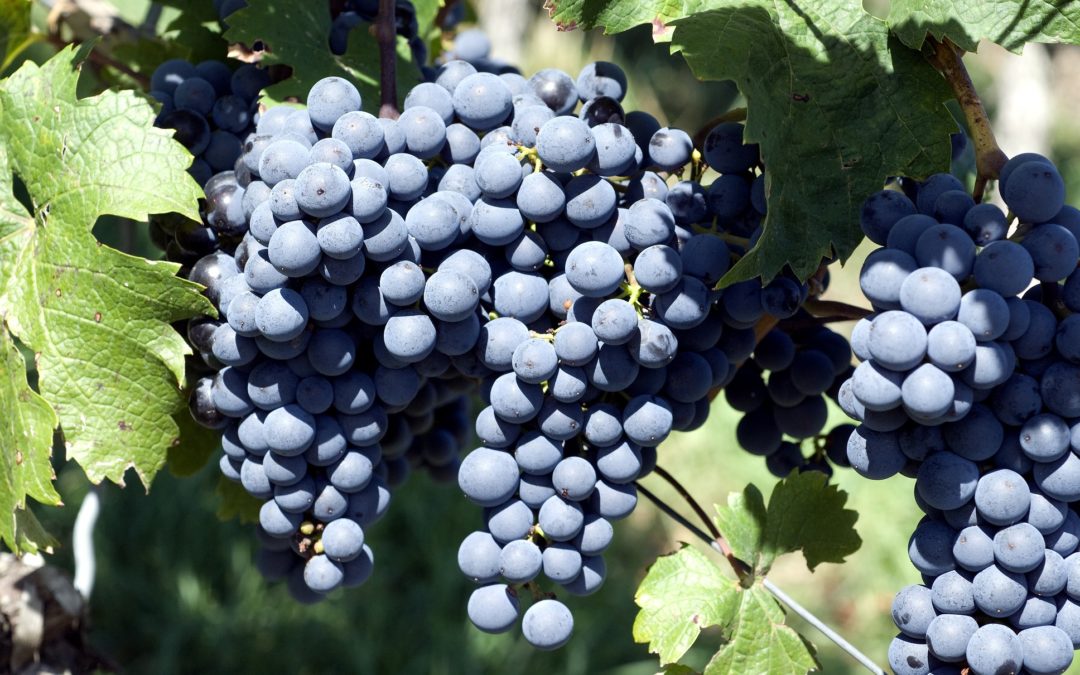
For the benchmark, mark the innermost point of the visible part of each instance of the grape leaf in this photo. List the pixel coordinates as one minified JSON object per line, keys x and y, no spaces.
{"x":758,"y":641}
{"x":197,"y":31}
{"x":685,"y":592}
{"x":834,"y":103}
{"x":742,"y":523}
{"x":805,"y":513}
{"x":1009,"y":23}
{"x":26,"y":442}
{"x":96,"y":319}
{"x":297,"y":34}
{"x":682,"y":594}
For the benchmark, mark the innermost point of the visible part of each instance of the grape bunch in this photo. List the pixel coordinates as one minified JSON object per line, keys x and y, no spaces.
{"x":970,"y":383}
{"x":803,"y":366}
{"x":211,"y":107}
{"x":602,"y":331}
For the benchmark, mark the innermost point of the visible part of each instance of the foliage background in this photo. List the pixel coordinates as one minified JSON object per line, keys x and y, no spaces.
{"x":177,"y":592}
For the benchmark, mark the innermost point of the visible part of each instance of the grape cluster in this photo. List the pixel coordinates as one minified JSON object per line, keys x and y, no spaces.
{"x":804,"y":366}
{"x":970,"y":383}
{"x":211,"y":108}
{"x":602,"y":330}
{"x":319,"y":419}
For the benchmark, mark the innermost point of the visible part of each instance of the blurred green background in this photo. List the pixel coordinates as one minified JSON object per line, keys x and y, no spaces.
{"x":177,"y":591}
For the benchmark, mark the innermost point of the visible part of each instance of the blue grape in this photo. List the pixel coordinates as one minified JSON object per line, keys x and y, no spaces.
{"x":565,"y":144}
{"x":329,"y":99}
{"x":494,"y":608}
{"x":1034,"y":191}
{"x":994,"y":648}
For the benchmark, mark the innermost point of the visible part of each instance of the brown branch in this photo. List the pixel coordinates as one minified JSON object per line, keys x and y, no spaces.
{"x":102,"y":60}
{"x":386,"y":35}
{"x":948,"y":60}
{"x":833,"y":309}
{"x":733,"y":115}
{"x":685,"y":494}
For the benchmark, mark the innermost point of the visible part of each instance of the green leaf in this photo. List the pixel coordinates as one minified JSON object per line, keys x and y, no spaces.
{"x":97,"y":320}
{"x":758,"y":641}
{"x":685,"y":592}
{"x":296,"y":34}
{"x":426,"y":11}
{"x":1009,"y":23}
{"x":618,"y":15}
{"x":834,"y":103}
{"x":742,"y":523}
{"x":806,"y":513}
{"x":26,"y":436}
{"x":682,"y":594}
{"x":14,"y":29}
{"x":235,"y":502}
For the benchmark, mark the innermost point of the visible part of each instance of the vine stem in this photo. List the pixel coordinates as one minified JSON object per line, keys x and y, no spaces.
{"x":386,"y":36}
{"x":740,"y":567}
{"x":685,"y":494}
{"x":777,"y":593}
{"x":102,"y":60}
{"x":947,"y":58}
{"x":832,"y":308}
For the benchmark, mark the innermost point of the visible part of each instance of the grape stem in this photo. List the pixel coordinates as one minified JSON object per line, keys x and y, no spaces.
{"x":100,"y":59}
{"x":742,"y":570}
{"x":721,"y":547}
{"x":835,"y":311}
{"x":386,"y":36}
{"x":733,"y":115}
{"x":685,"y":494}
{"x":947,"y":58}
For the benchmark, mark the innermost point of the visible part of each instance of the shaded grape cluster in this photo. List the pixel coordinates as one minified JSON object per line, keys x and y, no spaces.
{"x":211,"y":107}
{"x":782,"y":391}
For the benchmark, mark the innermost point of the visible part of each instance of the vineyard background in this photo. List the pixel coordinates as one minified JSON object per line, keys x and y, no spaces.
{"x":176,"y":590}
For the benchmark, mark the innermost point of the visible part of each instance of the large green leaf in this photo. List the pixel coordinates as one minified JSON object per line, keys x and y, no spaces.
{"x":835,"y":104}
{"x":296,"y":34}
{"x":1009,"y":23}
{"x":97,"y":320}
{"x":685,"y":592}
